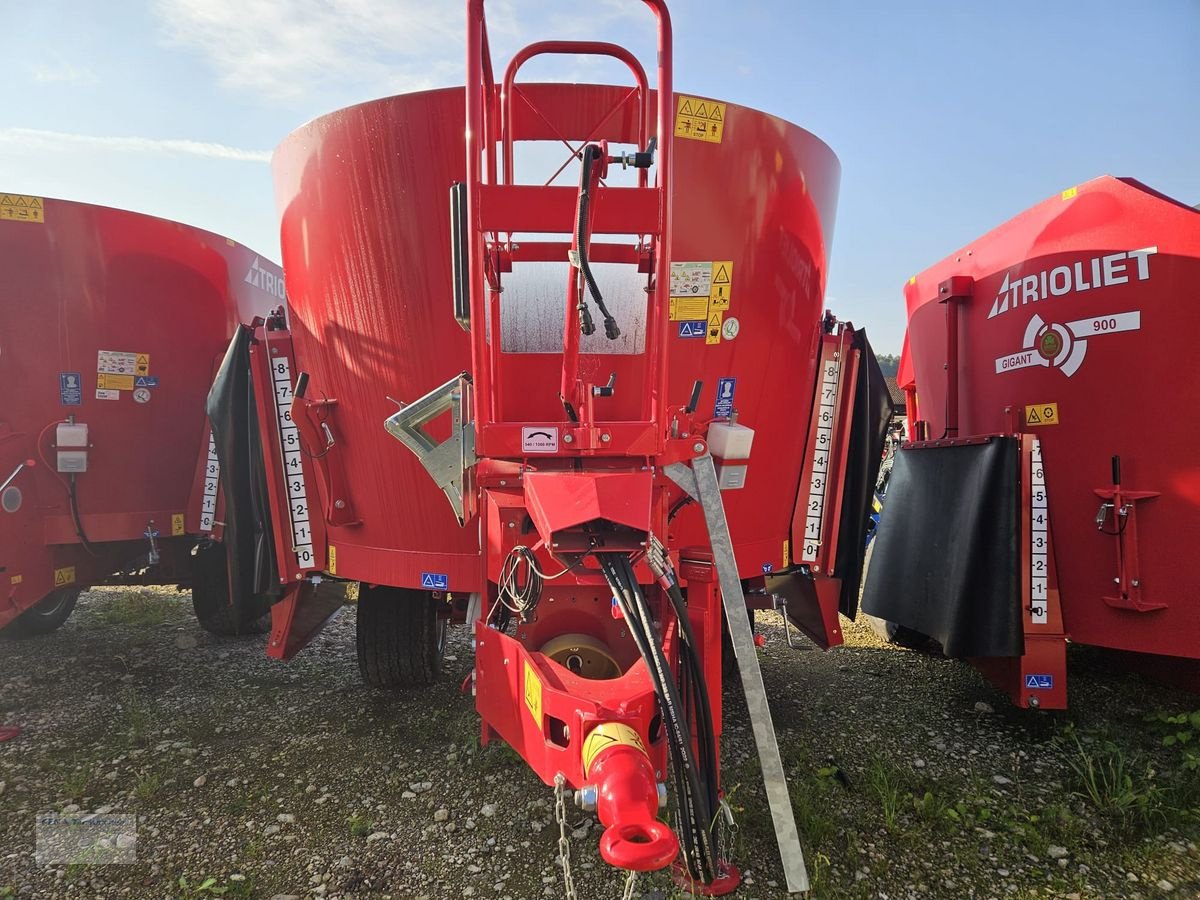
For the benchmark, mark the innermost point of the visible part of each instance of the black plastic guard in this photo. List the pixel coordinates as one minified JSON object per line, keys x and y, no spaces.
{"x":249,"y":541}
{"x":946,"y":554}
{"x":868,"y":432}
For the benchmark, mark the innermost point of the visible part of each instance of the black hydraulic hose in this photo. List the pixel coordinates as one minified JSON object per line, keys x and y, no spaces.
{"x":690,"y":829}
{"x":590,"y":154}
{"x":695,"y":812}
{"x":704,"y":725}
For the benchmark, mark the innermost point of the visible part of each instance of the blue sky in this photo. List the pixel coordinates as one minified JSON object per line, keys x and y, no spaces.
{"x":948,"y":117}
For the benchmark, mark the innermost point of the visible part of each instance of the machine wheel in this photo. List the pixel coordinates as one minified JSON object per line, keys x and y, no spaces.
{"x":210,"y":597}
{"x":401,"y":637}
{"x":46,"y":616}
{"x":729,"y":666}
{"x":903,"y":636}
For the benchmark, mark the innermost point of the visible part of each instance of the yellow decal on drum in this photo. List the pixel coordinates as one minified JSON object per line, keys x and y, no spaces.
{"x":1041,"y":414}
{"x":177,"y":526}
{"x":20,"y":208}
{"x":689,"y":309}
{"x":64,"y":576}
{"x":722,"y":284}
{"x":106,"y":381}
{"x":713,"y":335}
{"x":700,"y":120}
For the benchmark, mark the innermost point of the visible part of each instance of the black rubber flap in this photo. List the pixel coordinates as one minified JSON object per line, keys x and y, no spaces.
{"x":868,"y":432}
{"x":946,"y":554}
{"x":249,"y":542}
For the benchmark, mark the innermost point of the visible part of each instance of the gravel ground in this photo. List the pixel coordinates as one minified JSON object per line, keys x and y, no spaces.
{"x":911,"y":777}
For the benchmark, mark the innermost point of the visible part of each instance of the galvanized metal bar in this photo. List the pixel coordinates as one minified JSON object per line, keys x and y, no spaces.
{"x":701,"y":482}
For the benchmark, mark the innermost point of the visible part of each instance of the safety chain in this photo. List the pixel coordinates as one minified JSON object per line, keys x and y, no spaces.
{"x":564,"y":842}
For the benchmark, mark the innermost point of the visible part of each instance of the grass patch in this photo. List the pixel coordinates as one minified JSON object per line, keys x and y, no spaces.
{"x":1117,"y":784}
{"x":884,"y":783}
{"x":137,"y":609}
{"x":76,"y":782}
{"x":147,"y":787}
{"x":359,"y":825}
{"x":139,"y":717}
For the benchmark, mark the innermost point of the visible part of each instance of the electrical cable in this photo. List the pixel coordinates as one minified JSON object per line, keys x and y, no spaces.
{"x":68,"y":486}
{"x":75,"y":517}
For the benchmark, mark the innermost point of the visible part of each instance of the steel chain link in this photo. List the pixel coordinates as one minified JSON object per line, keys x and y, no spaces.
{"x":564,"y":842}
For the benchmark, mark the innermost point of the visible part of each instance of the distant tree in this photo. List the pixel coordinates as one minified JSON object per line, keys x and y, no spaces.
{"x":889,"y":364}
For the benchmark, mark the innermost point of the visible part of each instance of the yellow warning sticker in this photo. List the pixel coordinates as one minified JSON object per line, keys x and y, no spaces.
{"x":713,"y":335}
{"x":1069,"y":193}
{"x":605,"y":735}
{"x":722,"y":284}
{"x":19,"y":208}
{"x":16,"y":579}
{"x":688,"y":309}
{"x":64,"y":576}
{"x":787,"y":553}
{"x":700,"y":120}
{"x":1041,"y":414}
{"x":533,"y":694}
{"x":106,"y":381}
{"x":142,"y":365}
{"x":177,"y":526}
{"x":332,"y":555}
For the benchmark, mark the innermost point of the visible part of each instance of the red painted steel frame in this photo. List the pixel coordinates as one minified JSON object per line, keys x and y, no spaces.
{"x":510,"y":208}
{"x":1084,"y":301}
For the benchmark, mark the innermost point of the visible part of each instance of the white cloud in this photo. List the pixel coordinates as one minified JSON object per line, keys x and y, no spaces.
{"x":286,"y":49}
{"x":38,"y":139}
{"x":62,"y":73}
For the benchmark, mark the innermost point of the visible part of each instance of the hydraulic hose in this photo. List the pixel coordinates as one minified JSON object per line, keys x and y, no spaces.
{"x":695,"y":810}
{"x":591,"y":155}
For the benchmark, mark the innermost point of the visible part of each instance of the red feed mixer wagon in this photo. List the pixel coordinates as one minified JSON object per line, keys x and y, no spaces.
{"x":1053,"y":489}
{"x":626,"y":411}
{"x":111,"y":325}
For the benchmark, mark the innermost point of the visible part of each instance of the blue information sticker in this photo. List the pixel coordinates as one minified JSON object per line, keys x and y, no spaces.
{"x":725,"y":390}
{"x":435,"y":581}
{"x":1039,"y":682}
{"x":692,"y":329}
{"x":150,"y":381}
{"x":70,"y":388}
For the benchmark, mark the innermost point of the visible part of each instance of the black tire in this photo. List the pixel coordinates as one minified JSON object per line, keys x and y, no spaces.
{"x":47,"y":615}
{"x":401,"y":637}
{"x":210,"y":597}
{"x":729,"y":665}
{"x":901,"y":636}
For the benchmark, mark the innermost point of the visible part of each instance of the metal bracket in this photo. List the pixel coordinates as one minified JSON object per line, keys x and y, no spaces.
{"x":700,"y":481}
{"x":448,"y":462}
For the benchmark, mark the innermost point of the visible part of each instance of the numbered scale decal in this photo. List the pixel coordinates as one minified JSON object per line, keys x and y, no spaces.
{"x":293,"y":464}
{"x":1039,"y":541}
{"x":212,"y":478}
{"x":818,"y":484}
